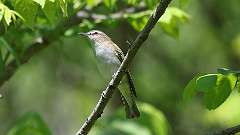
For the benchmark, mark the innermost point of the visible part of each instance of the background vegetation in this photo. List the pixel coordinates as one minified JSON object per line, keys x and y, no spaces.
{"x":55,"y":91}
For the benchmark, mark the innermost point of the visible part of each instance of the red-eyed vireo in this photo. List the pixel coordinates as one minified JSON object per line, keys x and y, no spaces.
{"x":109,"y":57}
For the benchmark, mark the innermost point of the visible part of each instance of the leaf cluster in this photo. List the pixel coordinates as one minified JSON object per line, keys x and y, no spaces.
{"x":215,"y":88}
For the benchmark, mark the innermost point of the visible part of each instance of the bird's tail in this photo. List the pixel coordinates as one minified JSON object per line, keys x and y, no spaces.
{"x":128,"y":95}
{"x":130,"y":109}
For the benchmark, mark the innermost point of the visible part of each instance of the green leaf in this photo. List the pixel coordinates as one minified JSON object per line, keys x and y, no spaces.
{"x":7,"y":15}
{"x":28,"y":10}
{"x":138,"y":24}
{"x":232,"y":79}
{"x":40,"y":2}
{"x":183,"y":2}
{"x":138,"y":20}
{"x":50,"y":10}
{"x":110,"y":3}
{"x":127,"y":128}
{"x":238,"y":87}
{"x":63,"y":5}
{"x":151,"y":3}
{"x":132,"y":2}
{"x":151,"y":122}
{"x":154,"y":119}
{"x":92,"y":3}
{"x":216,"y":96}
{"x":30,"y":124}
{"x":190,"y":90}
{"x":215,"y":87}
{"x":17,"y":14}
{"x":207,"y":82}
{"x":170,"y":19}
{"x":86,"y":23}
{"x":10,"y":49}
{"x":1,"y":11}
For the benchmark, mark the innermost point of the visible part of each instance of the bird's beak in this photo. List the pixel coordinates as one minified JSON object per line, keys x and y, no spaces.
{"x":83,"y":34}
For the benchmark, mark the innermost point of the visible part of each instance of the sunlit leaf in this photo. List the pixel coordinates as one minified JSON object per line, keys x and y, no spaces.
{"x":238,"y":87}
{"x":216,"y":88}
{"x":17,"y":14}
{"x":50,"y":10}
{"x":92,"y":3}
{"x":129,"y":128}
{"x":190,"y":90}
{"x":41,"y":2}
{"x":30,"y":124}
{"x":138,"y":20}
{"x":28,"y":10}
{"x":132,"y":2}
{"x":170,"y":20}
{"x":110,"y":3}
{"x":232,"y":79}
{"x":138,"y":24}
{"x":216,"y":96}
{"x":183,"y":2}
{"x":206,"y":82}
{"x":1,"y":11}
{"x":10,"y":49}
{"x":63,"y":5}
{"x":151,"y":122}
{"x":154,"y":119}
{"x":87,"y":23}
{"x":151,"y":3}
{"x":7,"y":16}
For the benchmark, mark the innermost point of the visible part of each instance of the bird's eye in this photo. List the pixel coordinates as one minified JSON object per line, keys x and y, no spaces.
{"x":95,"y":33}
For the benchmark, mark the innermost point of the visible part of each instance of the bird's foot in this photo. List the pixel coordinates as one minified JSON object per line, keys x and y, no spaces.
{"x":129,"y":44}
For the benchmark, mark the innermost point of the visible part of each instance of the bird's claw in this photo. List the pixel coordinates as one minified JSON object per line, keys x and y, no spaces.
{"x":129,"y":44}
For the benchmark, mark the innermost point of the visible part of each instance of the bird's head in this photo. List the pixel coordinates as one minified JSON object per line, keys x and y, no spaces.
{"x":96,"y":35}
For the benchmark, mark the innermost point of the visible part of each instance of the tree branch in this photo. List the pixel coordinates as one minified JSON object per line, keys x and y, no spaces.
{"x":107,"y":93}
{"x":116,"y":16}
{"x":228,"y":131}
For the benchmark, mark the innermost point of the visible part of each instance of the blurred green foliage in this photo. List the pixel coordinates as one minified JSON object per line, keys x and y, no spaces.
{"x":62,"y":84}
{"x":30,"y":124}
{"x":151,"y":122}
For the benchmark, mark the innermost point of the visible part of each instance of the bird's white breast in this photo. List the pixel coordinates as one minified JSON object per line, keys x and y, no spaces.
{"x":107,"y":61}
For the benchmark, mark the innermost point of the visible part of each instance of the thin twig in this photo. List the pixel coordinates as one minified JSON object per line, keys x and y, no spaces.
{"x":116,"y":16}
{"x":107,"y":93}
{"x":228,"y":131}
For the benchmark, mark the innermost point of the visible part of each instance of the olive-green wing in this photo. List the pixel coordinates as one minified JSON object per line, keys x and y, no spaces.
{"x":120,"y":56}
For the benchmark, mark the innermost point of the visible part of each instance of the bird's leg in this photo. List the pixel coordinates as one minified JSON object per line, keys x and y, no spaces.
{"x":114,"y":74}
{"x":129,"y":44}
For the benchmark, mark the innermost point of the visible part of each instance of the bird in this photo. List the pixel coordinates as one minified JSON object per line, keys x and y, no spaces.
{"x":109,"y":57}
